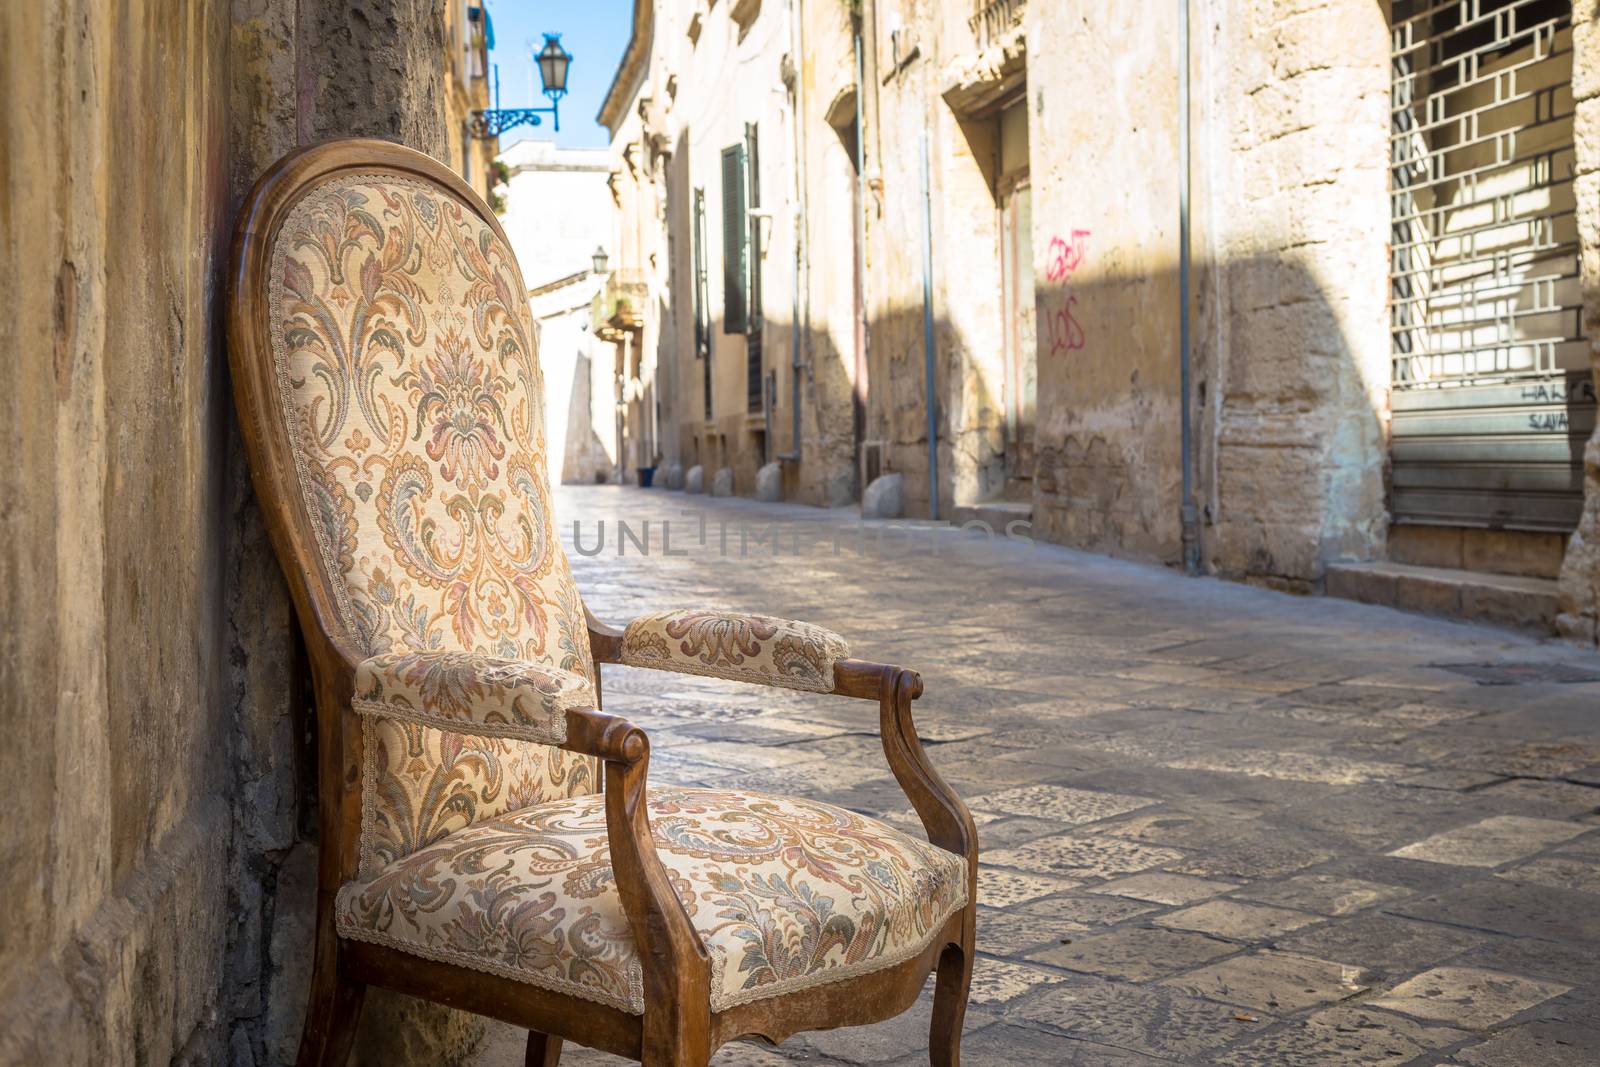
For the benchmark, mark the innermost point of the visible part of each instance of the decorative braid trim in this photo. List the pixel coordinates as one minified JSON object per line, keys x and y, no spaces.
{"x":367,"y":864}
{"x":633,"y":1004}
{"x":778,"y":681}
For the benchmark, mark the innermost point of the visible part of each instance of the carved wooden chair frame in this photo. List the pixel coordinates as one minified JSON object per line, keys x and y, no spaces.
{"x":677,"y":1028}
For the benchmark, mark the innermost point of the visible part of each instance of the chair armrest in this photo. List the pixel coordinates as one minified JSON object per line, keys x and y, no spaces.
{"x":466,"y":692}
{"x":742,"y":648}
{"x":654,"y":641}
{"x":714,"y":643}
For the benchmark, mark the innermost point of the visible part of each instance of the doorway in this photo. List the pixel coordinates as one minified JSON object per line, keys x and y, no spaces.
{"x":1014,"y":203}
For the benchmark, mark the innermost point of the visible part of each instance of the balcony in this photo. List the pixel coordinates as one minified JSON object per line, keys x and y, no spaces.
{"x":996,"y":19}
{"x":619,"y":307}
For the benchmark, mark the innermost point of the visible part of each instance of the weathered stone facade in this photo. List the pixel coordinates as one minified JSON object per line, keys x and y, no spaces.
{"x":160,"y":866}
{"x":685,"y":93}
{"x":556,"y":250}
{"x":1291,"y":315}
{"x":1054,"y":234}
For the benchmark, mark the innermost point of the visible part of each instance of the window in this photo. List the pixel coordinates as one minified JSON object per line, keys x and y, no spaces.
{"x":735,"y":243}
{"x":466,"y":153}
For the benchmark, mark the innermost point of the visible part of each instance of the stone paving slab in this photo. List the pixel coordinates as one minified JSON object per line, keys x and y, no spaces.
{"x":1280,"y":983}
{"x":1219,"y":825}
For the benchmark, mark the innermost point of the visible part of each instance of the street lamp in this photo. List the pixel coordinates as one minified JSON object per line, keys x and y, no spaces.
{"x":600,"y":259}
{"x":553,"y":61}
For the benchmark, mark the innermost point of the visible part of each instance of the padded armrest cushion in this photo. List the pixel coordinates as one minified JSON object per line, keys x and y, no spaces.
{"x":468,"y":693}
{"x":743,"y":648}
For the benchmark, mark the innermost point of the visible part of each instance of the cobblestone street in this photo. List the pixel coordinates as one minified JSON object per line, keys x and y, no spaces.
{"x":1219,"y":825}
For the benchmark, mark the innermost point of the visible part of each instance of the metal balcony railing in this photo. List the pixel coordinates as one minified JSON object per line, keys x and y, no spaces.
{"x":995,"y":19}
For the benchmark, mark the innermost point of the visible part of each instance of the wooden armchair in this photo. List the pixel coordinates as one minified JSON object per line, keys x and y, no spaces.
{"x":487,"y":837}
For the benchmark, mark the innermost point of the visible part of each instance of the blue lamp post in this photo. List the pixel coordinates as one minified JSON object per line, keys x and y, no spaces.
{"x":553,"y":61}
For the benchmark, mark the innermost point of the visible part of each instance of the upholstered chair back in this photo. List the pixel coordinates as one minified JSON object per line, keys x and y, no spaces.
{"x":409,"y":384}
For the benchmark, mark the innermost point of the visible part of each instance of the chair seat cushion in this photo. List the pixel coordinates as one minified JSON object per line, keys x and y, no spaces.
{"x":785,"y":893}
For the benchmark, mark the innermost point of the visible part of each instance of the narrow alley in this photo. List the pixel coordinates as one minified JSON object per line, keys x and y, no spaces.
{"x":1219,"y":825}
{"x":1185,"y":411}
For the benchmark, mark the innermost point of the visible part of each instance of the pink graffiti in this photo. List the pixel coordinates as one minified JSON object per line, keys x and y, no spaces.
{"x":1063,"y":258}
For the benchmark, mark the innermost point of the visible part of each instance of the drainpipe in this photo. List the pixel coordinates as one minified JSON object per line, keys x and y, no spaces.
{"x":862,"y":85}
{"x":872,"y":176}
{"x":1188,"y":515}
{"x":797,"y":171}
{"x":927,"y":332}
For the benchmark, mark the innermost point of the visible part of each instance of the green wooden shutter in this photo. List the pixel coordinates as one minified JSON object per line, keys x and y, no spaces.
{"x":735,"y":242}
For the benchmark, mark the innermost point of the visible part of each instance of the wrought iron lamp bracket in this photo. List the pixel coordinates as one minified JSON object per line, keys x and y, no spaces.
{"x":491,"y":123}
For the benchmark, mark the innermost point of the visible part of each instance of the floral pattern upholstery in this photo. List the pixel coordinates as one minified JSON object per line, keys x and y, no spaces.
{"x":744,"y":648}
{"x":409,"y":382}
{"x":420,"y":784}
{"x":785,"y":894}
{"x":489,"y":696}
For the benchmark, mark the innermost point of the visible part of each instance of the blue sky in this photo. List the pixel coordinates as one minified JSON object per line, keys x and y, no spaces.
{"x":594,"y":31}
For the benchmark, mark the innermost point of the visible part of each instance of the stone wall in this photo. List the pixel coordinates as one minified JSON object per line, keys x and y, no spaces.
{"x":826,"y":473}
{"x":1291,"y":336}
{"x":114,"y":207}
{"x":1580,"y":571}
{"x":1105,"y":224}
{"x":157,"y":861}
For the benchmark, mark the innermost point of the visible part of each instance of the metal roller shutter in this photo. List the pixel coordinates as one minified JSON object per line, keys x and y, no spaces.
{"x":1491,"y":395}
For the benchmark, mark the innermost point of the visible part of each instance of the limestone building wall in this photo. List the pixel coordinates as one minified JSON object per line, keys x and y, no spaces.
{"x":558,"y":211}
{"x":466,"y":88}
{"x":1291,"y":340}
{"x":632,"y":313}
{"x":835,"y":382}
{"x":1580,"y":571}
{"x":695,"y":82}
{"x":158,"y":862}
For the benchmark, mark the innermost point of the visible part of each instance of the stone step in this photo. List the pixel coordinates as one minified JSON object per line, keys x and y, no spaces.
{"x":1499,"y":599}
{"x":997,"y":513}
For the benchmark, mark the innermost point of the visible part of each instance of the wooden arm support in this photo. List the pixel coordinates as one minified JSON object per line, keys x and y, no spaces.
{"x":677,"y":969}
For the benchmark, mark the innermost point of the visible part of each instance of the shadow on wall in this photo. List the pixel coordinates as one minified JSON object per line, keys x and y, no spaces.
{"x":1289,"y":444}
{"x":1289,"y":455}
{"x":826,"y":472}
{"x":585,"y":461}
{"x":971,"y":411}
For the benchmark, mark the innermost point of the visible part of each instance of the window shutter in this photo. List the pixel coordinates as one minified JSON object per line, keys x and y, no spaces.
{"x":735,"y":233}
{"x":753,"y":227}
{"x":702,"y":313}
{"x":754,"y":401}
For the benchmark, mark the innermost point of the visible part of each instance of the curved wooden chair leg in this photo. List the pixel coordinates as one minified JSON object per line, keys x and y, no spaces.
{"x":543,"y":1050}
{"x":950,"y":1005}
{"x":334,"y":1006}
